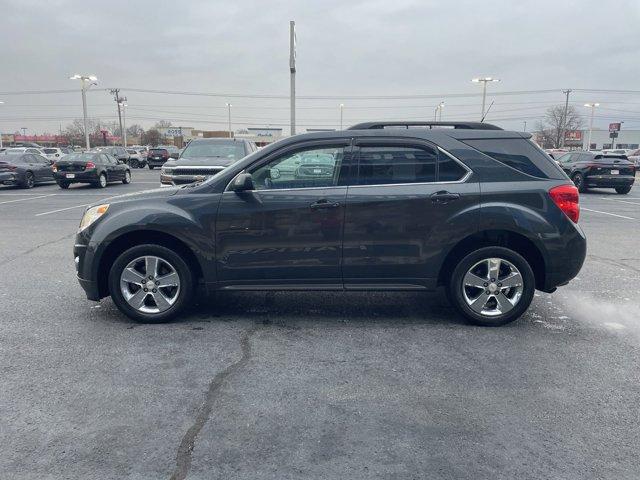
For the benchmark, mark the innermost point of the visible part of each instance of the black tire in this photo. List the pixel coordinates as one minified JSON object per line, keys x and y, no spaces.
{"x":455,"y":287}
{"x":102,"y":181}
{"x":185,"y":294}
{"x":151,"y":167}
{"x":578,"y":181}
{"x":29,"y":180}
{"x":133,"y":163}
{"x":127,"y":177}
{"x":64,"y":185}
{"x":623,"y":190}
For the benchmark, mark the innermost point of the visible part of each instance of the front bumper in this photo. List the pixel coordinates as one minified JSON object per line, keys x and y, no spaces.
{"x":9,"y":178}
{"x":90,"y":287}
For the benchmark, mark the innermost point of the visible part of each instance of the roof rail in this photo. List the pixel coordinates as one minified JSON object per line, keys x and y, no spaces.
{"x":430,"y":125}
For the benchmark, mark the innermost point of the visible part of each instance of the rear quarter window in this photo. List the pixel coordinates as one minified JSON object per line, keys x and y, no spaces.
{"x":517,"y":153}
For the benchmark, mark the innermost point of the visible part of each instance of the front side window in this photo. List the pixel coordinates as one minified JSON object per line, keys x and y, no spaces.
{"x":316,"y":167}
{"x":396,"y":164}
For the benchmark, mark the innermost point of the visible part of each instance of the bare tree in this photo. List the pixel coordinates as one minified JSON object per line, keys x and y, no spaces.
{"x":550,"y":129}
{"x":135,"y":130}
{"x":151,"y":137}
{"x":162,"y":124}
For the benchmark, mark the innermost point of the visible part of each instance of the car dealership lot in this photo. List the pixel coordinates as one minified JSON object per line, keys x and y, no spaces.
{"x":314,"y":385}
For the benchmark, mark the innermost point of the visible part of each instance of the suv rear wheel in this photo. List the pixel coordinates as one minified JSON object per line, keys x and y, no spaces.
{"x":623,"y":190}
{"x":578,"y":181}
{"x":492,"y":286}
{"x":150,"y":283}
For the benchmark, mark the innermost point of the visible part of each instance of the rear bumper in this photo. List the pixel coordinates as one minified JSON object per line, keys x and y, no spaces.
{"x":78,"y":177}
{"x":156,"y":163}
{"x":609,"y":180}
{"x":567,"y":262}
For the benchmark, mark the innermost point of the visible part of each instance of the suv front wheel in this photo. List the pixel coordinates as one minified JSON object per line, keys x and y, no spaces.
{"x":151,"y":283}
{"x":492,"y":286}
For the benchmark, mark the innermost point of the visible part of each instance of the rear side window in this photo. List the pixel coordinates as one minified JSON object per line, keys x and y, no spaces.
{"x":391,"y":165}
{"x":517,"y":153}
{"x":449,"y":170}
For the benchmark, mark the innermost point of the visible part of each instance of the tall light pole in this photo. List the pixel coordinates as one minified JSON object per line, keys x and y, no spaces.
{"x":124,"y":121}
{"x":1,"y":102}
{"x":292,"y":70}
{"x":484,"y":82}
{"x":229,"y":110}
{"x":525,"y":126}
{"x":341,"y":116}
{"x":87,"y":81}
{"x":437,"y":114}
{"x":593,"y":108}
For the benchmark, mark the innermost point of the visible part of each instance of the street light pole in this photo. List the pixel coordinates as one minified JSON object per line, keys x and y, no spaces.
{"x":292,"y":70}
{"x":341,"y":112}
{"x":440,"y":107}
{"x":124,"y":122}
{"x":484,"y":82}
{"x":1,"y":102}
{"x":229,"y":109}
{"x":593,"y":107}
{"x":91,"y":80}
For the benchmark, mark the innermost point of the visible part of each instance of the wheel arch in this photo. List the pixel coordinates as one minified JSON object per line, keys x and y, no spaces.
{"x":495,"y":238}
{"x":140,"y":237}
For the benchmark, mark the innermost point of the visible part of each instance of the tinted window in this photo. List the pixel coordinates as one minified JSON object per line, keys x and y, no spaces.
{"x":449,"y":170}
{"x":514,"y":152}
{"x":50,"y":150}
{"x":317,"y":167}
{"x":389,"y":165}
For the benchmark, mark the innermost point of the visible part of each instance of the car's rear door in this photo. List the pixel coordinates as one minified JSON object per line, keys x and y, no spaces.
{"x":407,"y":209}
{"x":288,"y":231}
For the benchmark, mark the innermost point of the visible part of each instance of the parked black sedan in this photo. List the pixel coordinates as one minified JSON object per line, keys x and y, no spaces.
{"x":24,"y":169}
{"x":595,"y":169}
{"x":96,"y":168}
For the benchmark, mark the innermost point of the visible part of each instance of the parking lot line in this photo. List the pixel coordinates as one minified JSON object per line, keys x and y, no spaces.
{"x":24,"y":199}
{"x":632,"y":202}
{"x":62,"y":209}
{"x":607,"y":213}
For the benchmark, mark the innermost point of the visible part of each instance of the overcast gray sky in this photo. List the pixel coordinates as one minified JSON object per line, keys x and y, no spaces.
{"x":345,"y":49}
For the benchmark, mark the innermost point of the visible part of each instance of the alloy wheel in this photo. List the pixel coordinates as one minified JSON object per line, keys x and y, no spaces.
{"x":150,"y":284}
{"x":492,"y":287}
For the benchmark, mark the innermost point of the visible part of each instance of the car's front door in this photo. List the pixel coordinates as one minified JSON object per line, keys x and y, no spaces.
{"x":288,"y":230}
{"x":405,"y":211}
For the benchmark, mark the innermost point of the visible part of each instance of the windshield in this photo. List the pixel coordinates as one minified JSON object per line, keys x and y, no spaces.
{"x":230,"y":150}
{"x":50,"y":150}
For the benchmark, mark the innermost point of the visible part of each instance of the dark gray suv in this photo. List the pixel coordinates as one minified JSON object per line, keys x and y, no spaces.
{"x":381,"y":206}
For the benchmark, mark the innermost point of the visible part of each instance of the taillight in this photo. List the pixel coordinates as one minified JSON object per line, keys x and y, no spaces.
{"x":89,"y":166}
{"x":567,"y":199}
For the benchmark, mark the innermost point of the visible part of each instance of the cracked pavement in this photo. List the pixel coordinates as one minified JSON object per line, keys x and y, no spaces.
{"x":318,"y":385}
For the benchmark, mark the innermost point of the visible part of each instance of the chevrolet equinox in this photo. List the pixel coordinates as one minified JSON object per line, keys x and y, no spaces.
{"x":381,"y":206}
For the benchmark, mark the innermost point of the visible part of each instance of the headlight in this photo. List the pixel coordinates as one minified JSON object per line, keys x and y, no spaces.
{"x":92,"y":214}
{"x":166,"y":171}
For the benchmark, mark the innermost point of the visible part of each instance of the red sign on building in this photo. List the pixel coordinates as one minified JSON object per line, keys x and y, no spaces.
{"x":614,"y":127}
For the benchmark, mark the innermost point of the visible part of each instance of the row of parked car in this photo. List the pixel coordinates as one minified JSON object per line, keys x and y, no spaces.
{"x":24,"y":168}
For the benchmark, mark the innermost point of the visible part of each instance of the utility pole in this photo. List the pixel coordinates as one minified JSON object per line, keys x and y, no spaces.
{"x":292,"y":70}
{"x":341,"y":111}
{"x":484,"y":82}
{"x":87,"y":81}
{"x":116,"y":93}
{"x":564,"y":117}
{"x":1,"y":102}
{"x":525,"y":126}
{"x":229,"y":109}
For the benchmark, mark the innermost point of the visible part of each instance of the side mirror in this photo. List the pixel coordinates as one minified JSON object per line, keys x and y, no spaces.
{"x":242,"y":183}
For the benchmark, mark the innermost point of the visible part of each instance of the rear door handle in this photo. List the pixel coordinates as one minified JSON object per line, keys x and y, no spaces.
{"x":324,"y":203}
{"x":444,"y":197}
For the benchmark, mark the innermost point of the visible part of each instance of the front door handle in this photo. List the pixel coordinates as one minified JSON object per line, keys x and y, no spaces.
{"x":444,"y":197}
{"x":324,"y":203}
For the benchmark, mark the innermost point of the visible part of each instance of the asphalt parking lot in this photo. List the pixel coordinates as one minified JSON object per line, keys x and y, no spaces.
{"x":314,"y":385}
